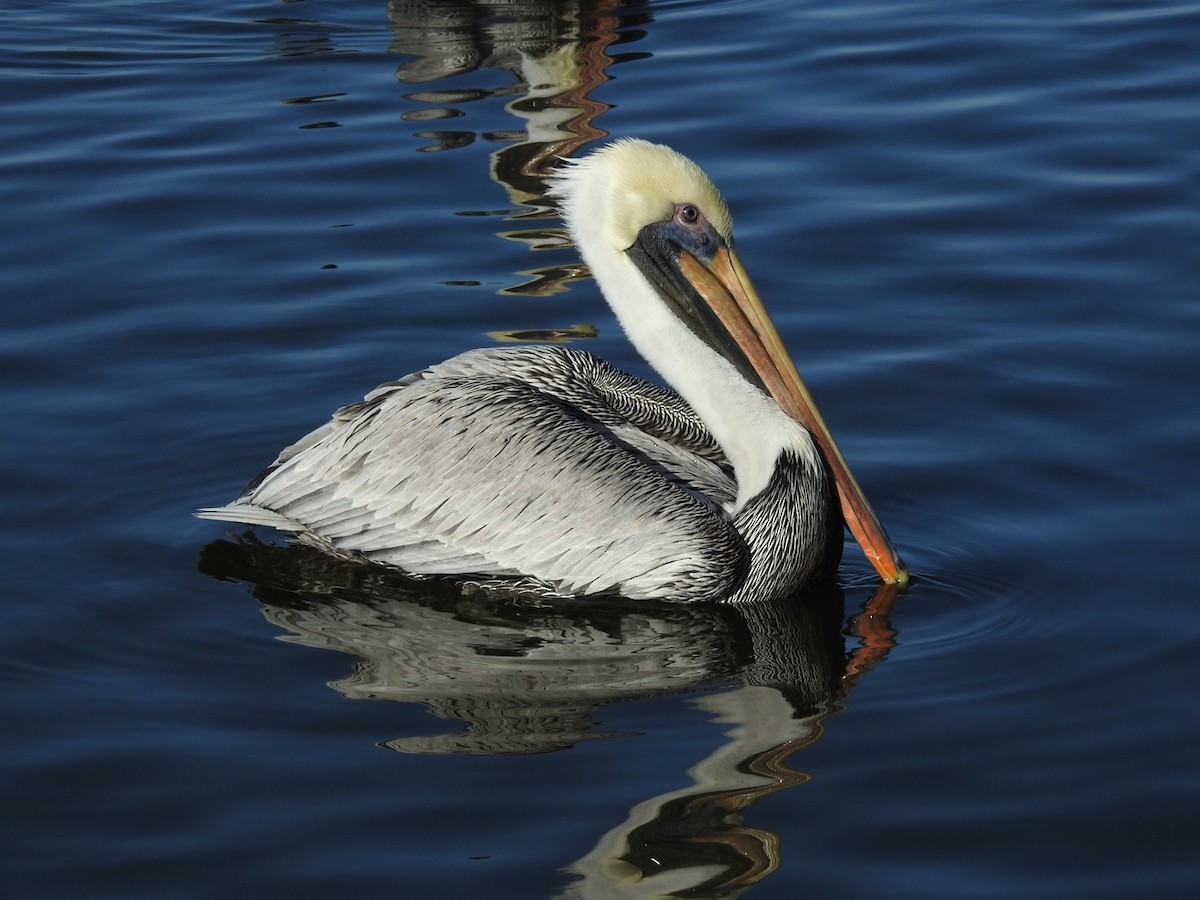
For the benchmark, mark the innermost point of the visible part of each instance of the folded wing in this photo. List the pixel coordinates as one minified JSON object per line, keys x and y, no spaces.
{"x":534,"y":461}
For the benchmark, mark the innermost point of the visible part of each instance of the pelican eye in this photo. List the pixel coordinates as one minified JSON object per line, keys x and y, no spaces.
{"x":687,"y":214}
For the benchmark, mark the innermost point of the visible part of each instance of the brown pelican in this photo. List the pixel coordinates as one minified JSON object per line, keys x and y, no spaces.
{"x":551,"y":467}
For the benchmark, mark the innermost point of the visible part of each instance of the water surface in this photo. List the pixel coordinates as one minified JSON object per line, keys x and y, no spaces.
{"x":976,"y":229}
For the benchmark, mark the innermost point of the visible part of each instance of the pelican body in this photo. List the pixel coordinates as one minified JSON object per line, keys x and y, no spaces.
{"x":548,"y":466}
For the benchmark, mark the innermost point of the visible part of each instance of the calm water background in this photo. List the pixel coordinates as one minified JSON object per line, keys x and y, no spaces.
{"x":977,"y":227}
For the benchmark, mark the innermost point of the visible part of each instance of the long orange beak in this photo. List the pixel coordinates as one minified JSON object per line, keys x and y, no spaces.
{"x":726,"y":287}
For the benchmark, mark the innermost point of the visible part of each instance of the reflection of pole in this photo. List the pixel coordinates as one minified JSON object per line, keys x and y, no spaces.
{"x":594,"y":63}
{"x":523,"y":167}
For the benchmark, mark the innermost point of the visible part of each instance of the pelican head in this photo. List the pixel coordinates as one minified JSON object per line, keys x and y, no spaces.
{"x":658,"y":238}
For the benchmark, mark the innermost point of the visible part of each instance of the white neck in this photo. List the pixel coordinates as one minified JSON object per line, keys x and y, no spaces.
{"x":748,"y":425}
{"x":603,"y":200}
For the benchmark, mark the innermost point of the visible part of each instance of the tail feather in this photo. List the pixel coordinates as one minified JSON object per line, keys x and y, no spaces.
{"x":248,"y":514}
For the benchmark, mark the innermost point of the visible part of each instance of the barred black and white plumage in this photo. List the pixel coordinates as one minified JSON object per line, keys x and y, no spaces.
{"x":550,"y":466}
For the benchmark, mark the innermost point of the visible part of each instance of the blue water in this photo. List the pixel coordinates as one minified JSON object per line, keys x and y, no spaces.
{"x":976,"y":226}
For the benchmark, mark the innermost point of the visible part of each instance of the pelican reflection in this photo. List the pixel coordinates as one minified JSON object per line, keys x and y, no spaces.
{"x":516,"y":675}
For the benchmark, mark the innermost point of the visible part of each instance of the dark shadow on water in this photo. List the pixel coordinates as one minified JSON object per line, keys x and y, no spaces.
{"x":526,"y":675}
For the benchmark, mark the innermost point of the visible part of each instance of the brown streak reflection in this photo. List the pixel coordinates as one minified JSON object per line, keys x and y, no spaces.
{"x":595,"y":61}
{"x":704,"y":828}
{"x":873,"y":628}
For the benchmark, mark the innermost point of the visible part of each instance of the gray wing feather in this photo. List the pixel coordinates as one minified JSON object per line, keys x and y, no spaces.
{"x":537,"y":462}
{"x":652,"y":419}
